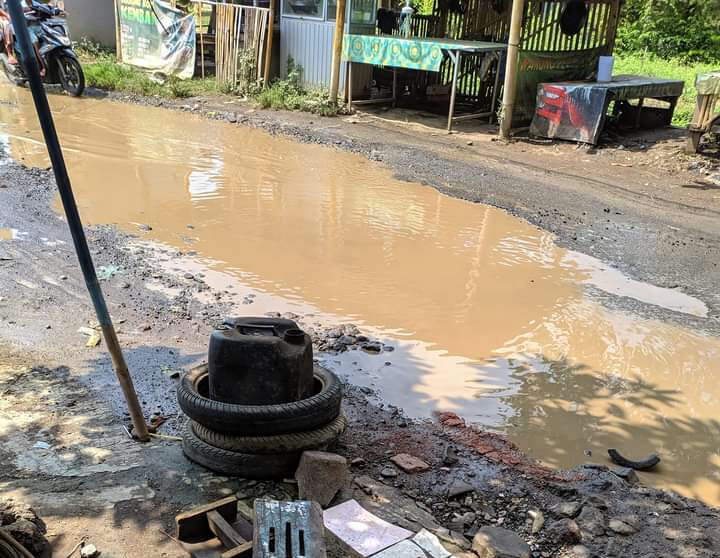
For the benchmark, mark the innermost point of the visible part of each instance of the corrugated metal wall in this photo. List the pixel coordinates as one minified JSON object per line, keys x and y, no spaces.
{"x":309,"y":42}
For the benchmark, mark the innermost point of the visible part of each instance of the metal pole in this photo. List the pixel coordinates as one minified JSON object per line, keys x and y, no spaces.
{"x":509,"y":88}
{"x":337,"y":50}
{"x":73,"y":217}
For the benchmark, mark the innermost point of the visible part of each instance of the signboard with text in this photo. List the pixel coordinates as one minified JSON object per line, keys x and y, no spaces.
{"x":157,"y":37}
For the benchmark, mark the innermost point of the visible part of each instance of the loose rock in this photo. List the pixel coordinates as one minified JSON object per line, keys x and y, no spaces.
{"x":89,"y":551}
{"x":389,"y":473}
{"x":410,"y":463}
{"x":627,"y":474}
{"x":496,"y":542}
{"x":320,"y":476}
{"x":567,"y":509}
{"x":579,"y":551}
{"x":538,"y":520}
{"x":450,"y":457}
{"x":565,"y":531}
{"x":621,"y":528}
{"x":591,"y":522}
{"x":459,"y":487}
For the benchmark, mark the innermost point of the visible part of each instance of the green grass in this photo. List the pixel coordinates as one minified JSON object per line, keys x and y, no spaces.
{"x":104,"y":72}
{"x":649,"y":65}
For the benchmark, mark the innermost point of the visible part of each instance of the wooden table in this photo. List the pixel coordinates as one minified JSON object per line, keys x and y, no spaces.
{"x":417,"y":54}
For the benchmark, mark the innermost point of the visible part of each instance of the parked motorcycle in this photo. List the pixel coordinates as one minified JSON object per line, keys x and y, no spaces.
{"x":61,"y":63}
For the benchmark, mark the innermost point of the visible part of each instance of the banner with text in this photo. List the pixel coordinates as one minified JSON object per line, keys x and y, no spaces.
{"x":157,"y":37}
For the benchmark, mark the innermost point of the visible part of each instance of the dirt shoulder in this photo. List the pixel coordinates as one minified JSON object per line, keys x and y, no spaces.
{"x":65,"y":450}
{"x":639,"y":203}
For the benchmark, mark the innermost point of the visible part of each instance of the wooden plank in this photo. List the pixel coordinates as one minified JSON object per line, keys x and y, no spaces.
{"x":224,"y":531}
{"x":242,"y":551}
{"x":193,"y":524}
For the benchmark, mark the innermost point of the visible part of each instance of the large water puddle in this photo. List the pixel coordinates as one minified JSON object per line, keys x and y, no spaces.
{"x":488,"y":316}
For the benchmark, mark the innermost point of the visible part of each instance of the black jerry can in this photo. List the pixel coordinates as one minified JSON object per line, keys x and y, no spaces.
{"x":260,"y":361}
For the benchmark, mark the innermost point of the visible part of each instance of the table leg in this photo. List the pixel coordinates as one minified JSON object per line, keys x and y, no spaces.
{"x":394,"y":87}
{"x":348,"y":76}
{"x":641,"y":102}
{"x":455,"y":57}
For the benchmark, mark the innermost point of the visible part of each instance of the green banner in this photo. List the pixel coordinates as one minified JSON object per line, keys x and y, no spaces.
{"x":542,"y":67}
{"x":157,"y":37}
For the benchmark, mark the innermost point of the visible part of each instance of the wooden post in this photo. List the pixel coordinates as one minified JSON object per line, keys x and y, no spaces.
{"x":337,"y":50}
{"x":511,"y":68}
{"x":268,"y":51}
{"x":118,"y":35}
{"x":202,"y":39}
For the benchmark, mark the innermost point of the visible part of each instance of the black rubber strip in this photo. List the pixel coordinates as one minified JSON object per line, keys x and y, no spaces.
{"x":650,"y":462}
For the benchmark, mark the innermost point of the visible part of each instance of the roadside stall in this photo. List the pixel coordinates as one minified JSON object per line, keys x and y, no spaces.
{"x":559,"y":41}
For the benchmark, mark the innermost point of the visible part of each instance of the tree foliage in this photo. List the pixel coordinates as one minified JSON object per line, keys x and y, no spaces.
{"x":684,"y":29}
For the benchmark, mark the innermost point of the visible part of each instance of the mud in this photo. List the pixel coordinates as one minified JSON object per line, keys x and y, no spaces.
{"x":93,"y":480}
{"x":486,"y":316}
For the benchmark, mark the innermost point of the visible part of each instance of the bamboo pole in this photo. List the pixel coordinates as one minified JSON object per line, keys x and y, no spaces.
{"x":268,"y":48}
{"x":511,"y":68}
{"x":337,"y":50}
{"x":202,"y":40}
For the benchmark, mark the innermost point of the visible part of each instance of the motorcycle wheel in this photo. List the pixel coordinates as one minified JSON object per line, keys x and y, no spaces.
{"x":71,"y":75}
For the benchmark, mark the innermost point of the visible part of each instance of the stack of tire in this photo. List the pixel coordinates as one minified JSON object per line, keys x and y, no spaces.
{"x":260,"y":401}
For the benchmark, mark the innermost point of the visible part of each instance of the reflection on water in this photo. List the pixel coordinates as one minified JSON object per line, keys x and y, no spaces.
{"x":488,"y":316}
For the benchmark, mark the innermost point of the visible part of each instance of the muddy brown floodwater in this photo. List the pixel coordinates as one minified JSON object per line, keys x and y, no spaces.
{"x":488,"y":317}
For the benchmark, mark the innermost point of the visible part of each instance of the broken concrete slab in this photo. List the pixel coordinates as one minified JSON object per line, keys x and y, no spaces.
{"x":403,"y":549}
{"x":430,"y":543}
{"x":361,"y":532}
{"x":496,"y":542}
{"x":409,"y":463}
{"x":320,"y":476}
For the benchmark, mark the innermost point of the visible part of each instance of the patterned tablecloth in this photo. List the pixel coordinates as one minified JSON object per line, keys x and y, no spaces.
{"x":413,"y":54}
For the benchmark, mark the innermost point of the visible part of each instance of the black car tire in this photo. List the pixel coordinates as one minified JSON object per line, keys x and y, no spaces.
{"x":238,"y":464}
{"x":279,"y":443}
{"x":260,"y":420}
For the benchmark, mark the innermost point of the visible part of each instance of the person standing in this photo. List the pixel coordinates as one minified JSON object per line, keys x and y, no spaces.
{"x":6,"y":32}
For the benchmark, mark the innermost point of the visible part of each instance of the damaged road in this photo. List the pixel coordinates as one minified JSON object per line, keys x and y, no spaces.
{"x":66,"y":452}
{"x":64,"y":442}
